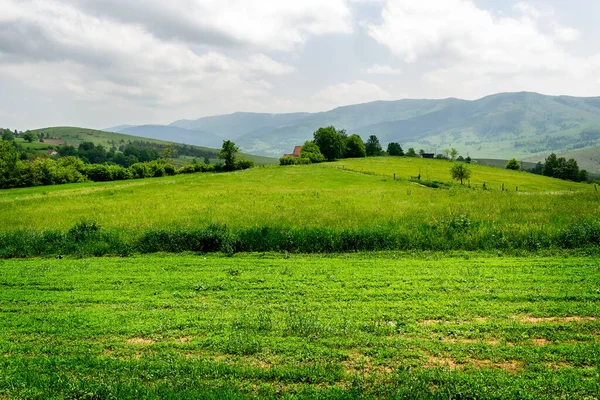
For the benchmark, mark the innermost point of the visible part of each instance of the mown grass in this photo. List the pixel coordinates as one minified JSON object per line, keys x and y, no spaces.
{"x":464,"y":325}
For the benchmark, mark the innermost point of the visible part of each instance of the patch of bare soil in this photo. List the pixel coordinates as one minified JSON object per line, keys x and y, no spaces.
{"x":140,"y":341}
{"x":359,"y":363}
{"x":537,"y":320}
{"x":510,"y":366}
{"x":541,"y":342}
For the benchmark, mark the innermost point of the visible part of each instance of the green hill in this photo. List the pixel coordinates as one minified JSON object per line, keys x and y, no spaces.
{"x":74,"y":136}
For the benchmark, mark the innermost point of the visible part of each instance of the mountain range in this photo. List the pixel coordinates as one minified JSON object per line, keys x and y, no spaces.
{"x":504,"y":125}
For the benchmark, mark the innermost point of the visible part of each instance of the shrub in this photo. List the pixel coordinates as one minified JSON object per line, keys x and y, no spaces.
{"x":293,"y":161}
{"x":244,"y":164}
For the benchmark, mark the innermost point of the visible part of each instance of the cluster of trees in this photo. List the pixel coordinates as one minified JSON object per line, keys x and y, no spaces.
{"x":43,"y":170}
{"x":331,"y":144}
{"x":96,"y":154}
{"x":560,"y":167}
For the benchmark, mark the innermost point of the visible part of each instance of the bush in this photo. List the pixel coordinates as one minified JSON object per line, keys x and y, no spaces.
{"x":244,"y":164}
{"x":311,"y":151}
{"x":294,"y":161}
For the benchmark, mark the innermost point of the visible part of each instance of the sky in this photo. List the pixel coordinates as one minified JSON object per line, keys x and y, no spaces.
{"x":100,"y":63}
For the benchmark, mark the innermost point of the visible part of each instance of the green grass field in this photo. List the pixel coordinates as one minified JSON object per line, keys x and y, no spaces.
{"x":516,"y":316}
{"x":303,"y":196}
{"x":467,"y":325}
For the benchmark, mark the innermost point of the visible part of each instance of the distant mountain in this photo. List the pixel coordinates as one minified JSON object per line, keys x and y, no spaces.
{"x":117,"y":129}
{"x":500,"y":126}
{"x":176,"y":134}
{"x":237,"y":124}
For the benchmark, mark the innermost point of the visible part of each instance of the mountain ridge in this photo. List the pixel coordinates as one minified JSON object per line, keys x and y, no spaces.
{"x":500,"y":125}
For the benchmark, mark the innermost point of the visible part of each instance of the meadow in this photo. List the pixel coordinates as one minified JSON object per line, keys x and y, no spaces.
{"x":335,"y":280}
{"x":404,"y":325}
{"x":351,"y":205}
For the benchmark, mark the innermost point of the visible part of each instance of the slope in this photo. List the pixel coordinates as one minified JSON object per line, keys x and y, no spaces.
{"x":74,"y":136}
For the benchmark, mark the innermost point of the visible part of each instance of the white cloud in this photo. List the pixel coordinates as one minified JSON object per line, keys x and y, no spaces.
{"x":268,"y":25}
{"x":383,"y":70}
{"x":349,"y":93}
{"x":465,"y":46}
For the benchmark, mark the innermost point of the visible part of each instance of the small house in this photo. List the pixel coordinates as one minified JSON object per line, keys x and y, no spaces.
{"x":295,"y":153}
{"x":428,"y":155}
{"x":52,"y":153}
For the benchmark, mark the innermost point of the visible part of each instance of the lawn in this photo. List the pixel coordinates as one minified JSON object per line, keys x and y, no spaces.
{"x":458,"y":325}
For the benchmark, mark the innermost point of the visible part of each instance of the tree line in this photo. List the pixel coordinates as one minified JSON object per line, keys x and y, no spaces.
{"x":332,"y":144}
{"x":16,"y":171}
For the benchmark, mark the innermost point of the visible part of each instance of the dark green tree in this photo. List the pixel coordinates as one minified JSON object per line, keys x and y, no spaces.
{"x":355,"y":147}
{"x":331,"y":142}
{"x":551,"y":165}
{"x":583,"y":176}
{"x":411,"y":153}
{"x":29,"y":137}
{"x":513,"y":164}
{"x":394,"y":149}
{"x":373,"y":147}
{"x":8,"y":135}
{"x":9,"y":157}
{"x":228,"y":154}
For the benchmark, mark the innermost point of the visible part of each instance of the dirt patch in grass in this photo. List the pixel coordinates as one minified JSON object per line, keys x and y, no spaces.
{"x":537,"y":320}
{"x":431,"y":322}
{"x":491,"y":342}
{"x":184,"y":340}
{"x":512,"y":366}
{"x":140,"y":341}
{"x":541,"y":342}
{"x":359,"y":363}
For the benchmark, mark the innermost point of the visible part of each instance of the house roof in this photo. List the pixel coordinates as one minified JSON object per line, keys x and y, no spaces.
{"x":297,"y":150}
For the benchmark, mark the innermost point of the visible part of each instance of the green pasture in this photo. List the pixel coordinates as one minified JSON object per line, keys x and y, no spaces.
{"x":438,"y":170}
{"x":306,"y":196}
{"x":427,"y":325}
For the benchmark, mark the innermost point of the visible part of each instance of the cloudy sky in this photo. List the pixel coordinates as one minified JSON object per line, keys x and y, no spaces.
{"x":98,"y":63}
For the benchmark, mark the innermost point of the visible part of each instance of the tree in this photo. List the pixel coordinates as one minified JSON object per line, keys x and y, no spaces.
{"x":311,"y":151}
{"x":8,"y":136}
{"x":571,"y":170}
{"x":228,"y":154}
{"x":9,"y":157}
{"x":446,"y":152}
{"x":513,"y":164}
{"x":460,"y":172}
{"x":355,"y":147}
{"x":168,"y":152}
{"x":468,"y":160}
{"x":394,"y":149}
{"x":421,"y":152}
{"x":550,"y":165}
{"x":331,"y":143}
{"x":373,"y":147}
{"x":411,"y":153}
{"x":206,"y":160}
{"x":29,"y":137}
{"x":453,"y":153}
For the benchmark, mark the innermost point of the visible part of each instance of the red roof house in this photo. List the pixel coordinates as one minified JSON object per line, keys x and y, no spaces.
{"x":295,"y":153}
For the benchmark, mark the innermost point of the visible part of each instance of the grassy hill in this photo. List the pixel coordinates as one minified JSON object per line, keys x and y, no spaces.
{"x":358,"y":194}
{"x":74,"y":136}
